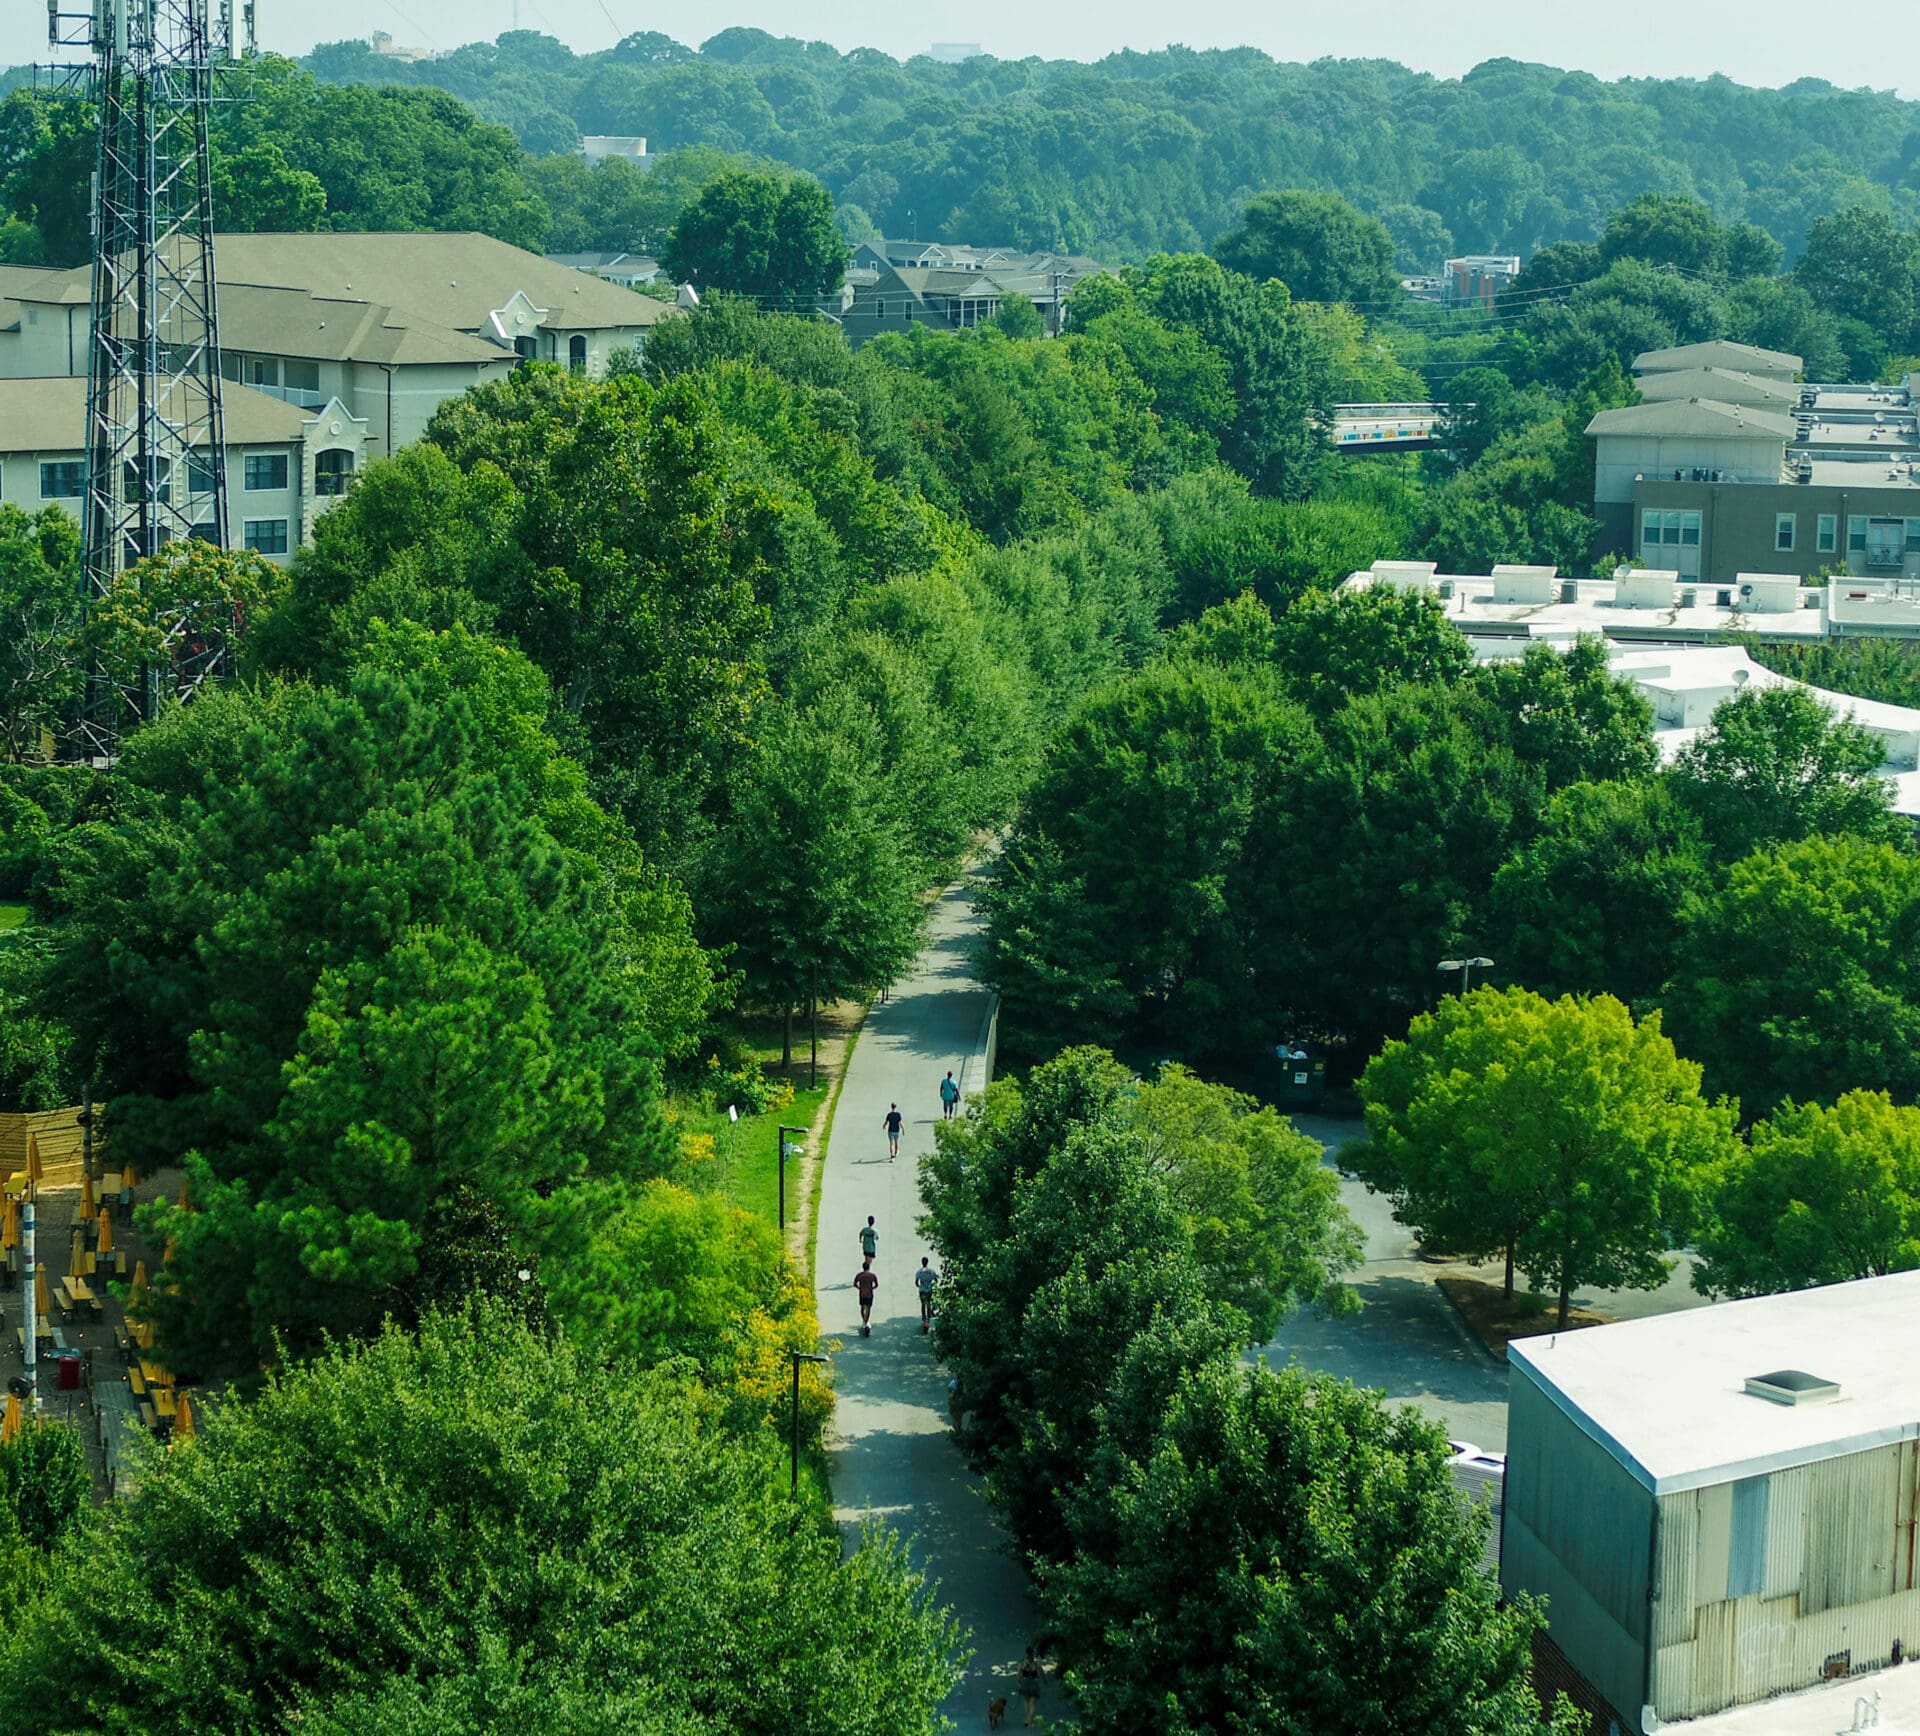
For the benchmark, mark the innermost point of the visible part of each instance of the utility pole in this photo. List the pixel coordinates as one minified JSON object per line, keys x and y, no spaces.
{"x":156,"y":439}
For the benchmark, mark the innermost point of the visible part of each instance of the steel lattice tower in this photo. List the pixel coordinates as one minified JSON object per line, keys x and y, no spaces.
{"x":156,"y":447}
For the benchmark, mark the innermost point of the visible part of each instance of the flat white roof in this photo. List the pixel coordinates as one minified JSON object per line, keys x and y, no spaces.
{"x":1595,"y":609}
{"x":1666,"y":1396}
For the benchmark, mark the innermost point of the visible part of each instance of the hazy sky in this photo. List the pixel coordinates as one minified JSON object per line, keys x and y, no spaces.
{"x":1772,"y":42}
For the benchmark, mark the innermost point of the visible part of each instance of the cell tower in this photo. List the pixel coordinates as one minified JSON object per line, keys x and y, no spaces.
{"x":156,"y":448}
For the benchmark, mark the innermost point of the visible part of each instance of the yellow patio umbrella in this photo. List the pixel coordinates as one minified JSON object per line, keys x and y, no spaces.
{"x":36,"y":1171}
{"x":10,"y":1224}
{"x":105,"y":1244}
{"x":143,"y":1335}
{"x":76,"y":1251}
{"x":41,"y":1305}
{"x":88,"y":1206}
{"x":128,"y":1178}
{"x":10,"y":1423}
{"x":139,"y":1282}
{"x":183,"y":1418}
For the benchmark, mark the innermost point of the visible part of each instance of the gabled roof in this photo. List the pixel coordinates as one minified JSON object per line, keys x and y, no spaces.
{"x":1718,"y":353}
{"x":292,"y":322}
{"x":1703,"y":418}
{"x":1721,"y":385}
{"x":44,"y":284}
{"x":51,"y":416}
{"x":455,"y":281}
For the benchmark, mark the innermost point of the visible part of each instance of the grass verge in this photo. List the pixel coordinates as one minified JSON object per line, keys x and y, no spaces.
{"x":12,"y":916}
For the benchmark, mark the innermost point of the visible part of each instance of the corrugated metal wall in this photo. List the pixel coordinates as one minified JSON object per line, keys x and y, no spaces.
{"x":1760,"y":1582}
{"x":1577,"y":1529}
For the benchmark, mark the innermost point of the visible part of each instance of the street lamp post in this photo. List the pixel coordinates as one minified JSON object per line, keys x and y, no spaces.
{"x":1466,"y":967}
{"x":799,"y":1140}
{"x":799,"y":1356}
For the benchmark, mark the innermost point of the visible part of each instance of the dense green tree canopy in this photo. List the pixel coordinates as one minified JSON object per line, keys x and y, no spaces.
{"x":767,"y":236}
{"x":1799,"y":973}
{"x":1819,"y":1195}
{"x":1317,"y":244}
{"x":1559,"y":1133}
{"x":366,"y":1547}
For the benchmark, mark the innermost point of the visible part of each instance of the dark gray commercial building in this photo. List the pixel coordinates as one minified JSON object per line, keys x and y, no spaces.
{"x":1728,"y":468}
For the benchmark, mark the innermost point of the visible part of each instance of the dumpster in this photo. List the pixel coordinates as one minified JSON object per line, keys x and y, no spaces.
{"x":1303,"y":1075}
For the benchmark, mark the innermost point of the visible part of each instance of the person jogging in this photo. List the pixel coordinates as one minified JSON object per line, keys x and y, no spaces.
{"x":869,"y":1240}
{"x":924,"y":1281}
{"x":865,"y":1282}
{"x":893,"y":1121}
{"x":949,"y":1096}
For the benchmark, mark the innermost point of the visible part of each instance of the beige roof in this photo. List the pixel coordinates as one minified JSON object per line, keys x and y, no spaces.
{"x":1703,"y":418}
{"x":1718,"y":353}
{"x":1722,"y":385}
{"x":454,"y":281}
{"x":291,"y":322}
{"x":42,"y":284}
{"x":51,"y":416}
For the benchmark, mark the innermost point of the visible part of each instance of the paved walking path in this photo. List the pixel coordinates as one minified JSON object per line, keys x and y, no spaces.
{"x":890,"y":1453}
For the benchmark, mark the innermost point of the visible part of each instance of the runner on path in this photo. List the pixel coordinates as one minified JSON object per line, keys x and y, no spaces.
{"x":924,"y":1281}
{"x":949,"y":1096}
{"x":894,"y":1121}
{"x":865,"y":1283}
{"x":869,"y":1239}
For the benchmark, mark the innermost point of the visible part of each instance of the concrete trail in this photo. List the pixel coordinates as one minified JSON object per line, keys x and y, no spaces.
{"x":890,"y":1454}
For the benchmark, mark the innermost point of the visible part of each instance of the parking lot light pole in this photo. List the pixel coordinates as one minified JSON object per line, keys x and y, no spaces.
{"x":798,"y":1142}
{"x":799,"y":1356}
{"x":1466,"y":967}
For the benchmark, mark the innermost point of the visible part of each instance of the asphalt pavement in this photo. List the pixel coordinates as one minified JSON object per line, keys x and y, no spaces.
{"x":891,"y":1458}
{"x":1407,"y":1341}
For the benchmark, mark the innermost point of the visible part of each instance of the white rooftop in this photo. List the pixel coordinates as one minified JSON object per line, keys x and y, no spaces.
{"x":1666,"y":1396}
{"x":1892,"y":1702}
{"x":1596,"y":608}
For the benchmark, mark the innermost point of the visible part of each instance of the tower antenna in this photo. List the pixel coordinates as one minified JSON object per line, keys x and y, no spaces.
{"x":156,"y":441}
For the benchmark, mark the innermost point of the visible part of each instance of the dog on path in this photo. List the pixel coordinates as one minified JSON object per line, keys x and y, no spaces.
{"x":996,"y":1712}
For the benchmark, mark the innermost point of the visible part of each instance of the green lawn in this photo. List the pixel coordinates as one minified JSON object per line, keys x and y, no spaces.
{"x":746,"y":1153}
{"x":12,"y":915}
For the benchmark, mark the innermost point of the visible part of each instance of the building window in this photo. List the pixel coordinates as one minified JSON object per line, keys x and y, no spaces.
{"x":577,"y":354}
{"x":267,"y":536}
{"x":303,"y":376}
{"x":1785,"y":524}
{"x":523,"y":348}
{"x":64,"y":480}
{"x":229,"y":365}
{"x":261,"y":370}
{"x":1913,"y":536}
{"x":1826,"y":536}
{"x":265,"y":470}
{"x":332,"y":471}
{"x":199,"y":474}
{"x":1856,"y":535}
{"x":1690,"y":530}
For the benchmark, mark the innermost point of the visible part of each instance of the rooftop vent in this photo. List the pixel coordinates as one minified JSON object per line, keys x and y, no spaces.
{"x":1792,"y":1386}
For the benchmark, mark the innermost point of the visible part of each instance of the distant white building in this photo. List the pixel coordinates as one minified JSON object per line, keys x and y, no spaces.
{"x":628,"y":147}
{"x":952,"y":53}
{"x":1670,"y":639}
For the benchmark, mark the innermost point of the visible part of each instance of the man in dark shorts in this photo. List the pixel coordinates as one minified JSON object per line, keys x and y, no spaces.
{"x":869,"y":1239}
{"x":949,"y":1096}
{"x":865,"y":1283}
{"x":893,"y":1122}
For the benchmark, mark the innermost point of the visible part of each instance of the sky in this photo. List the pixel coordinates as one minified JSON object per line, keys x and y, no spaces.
{"x":1767,"y":42}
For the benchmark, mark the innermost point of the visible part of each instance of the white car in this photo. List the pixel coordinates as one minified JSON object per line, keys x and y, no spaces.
{"x":1475,"y":1470}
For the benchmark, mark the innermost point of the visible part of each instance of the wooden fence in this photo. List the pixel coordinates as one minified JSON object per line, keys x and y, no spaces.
{"x":59,"y":1136}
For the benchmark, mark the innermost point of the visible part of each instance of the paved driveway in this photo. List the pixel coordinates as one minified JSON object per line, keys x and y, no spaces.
{"x":1407,"y":1341}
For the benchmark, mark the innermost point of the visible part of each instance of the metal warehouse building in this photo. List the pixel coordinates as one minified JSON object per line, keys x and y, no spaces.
{"x":1719,"y":1504}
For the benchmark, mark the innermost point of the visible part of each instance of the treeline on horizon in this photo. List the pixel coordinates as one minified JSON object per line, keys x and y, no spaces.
{"x":1129,"y":156}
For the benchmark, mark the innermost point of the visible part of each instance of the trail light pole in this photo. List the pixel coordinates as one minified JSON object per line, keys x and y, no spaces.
{"x":799,"y":1356}
{"x":1466,"y":967}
